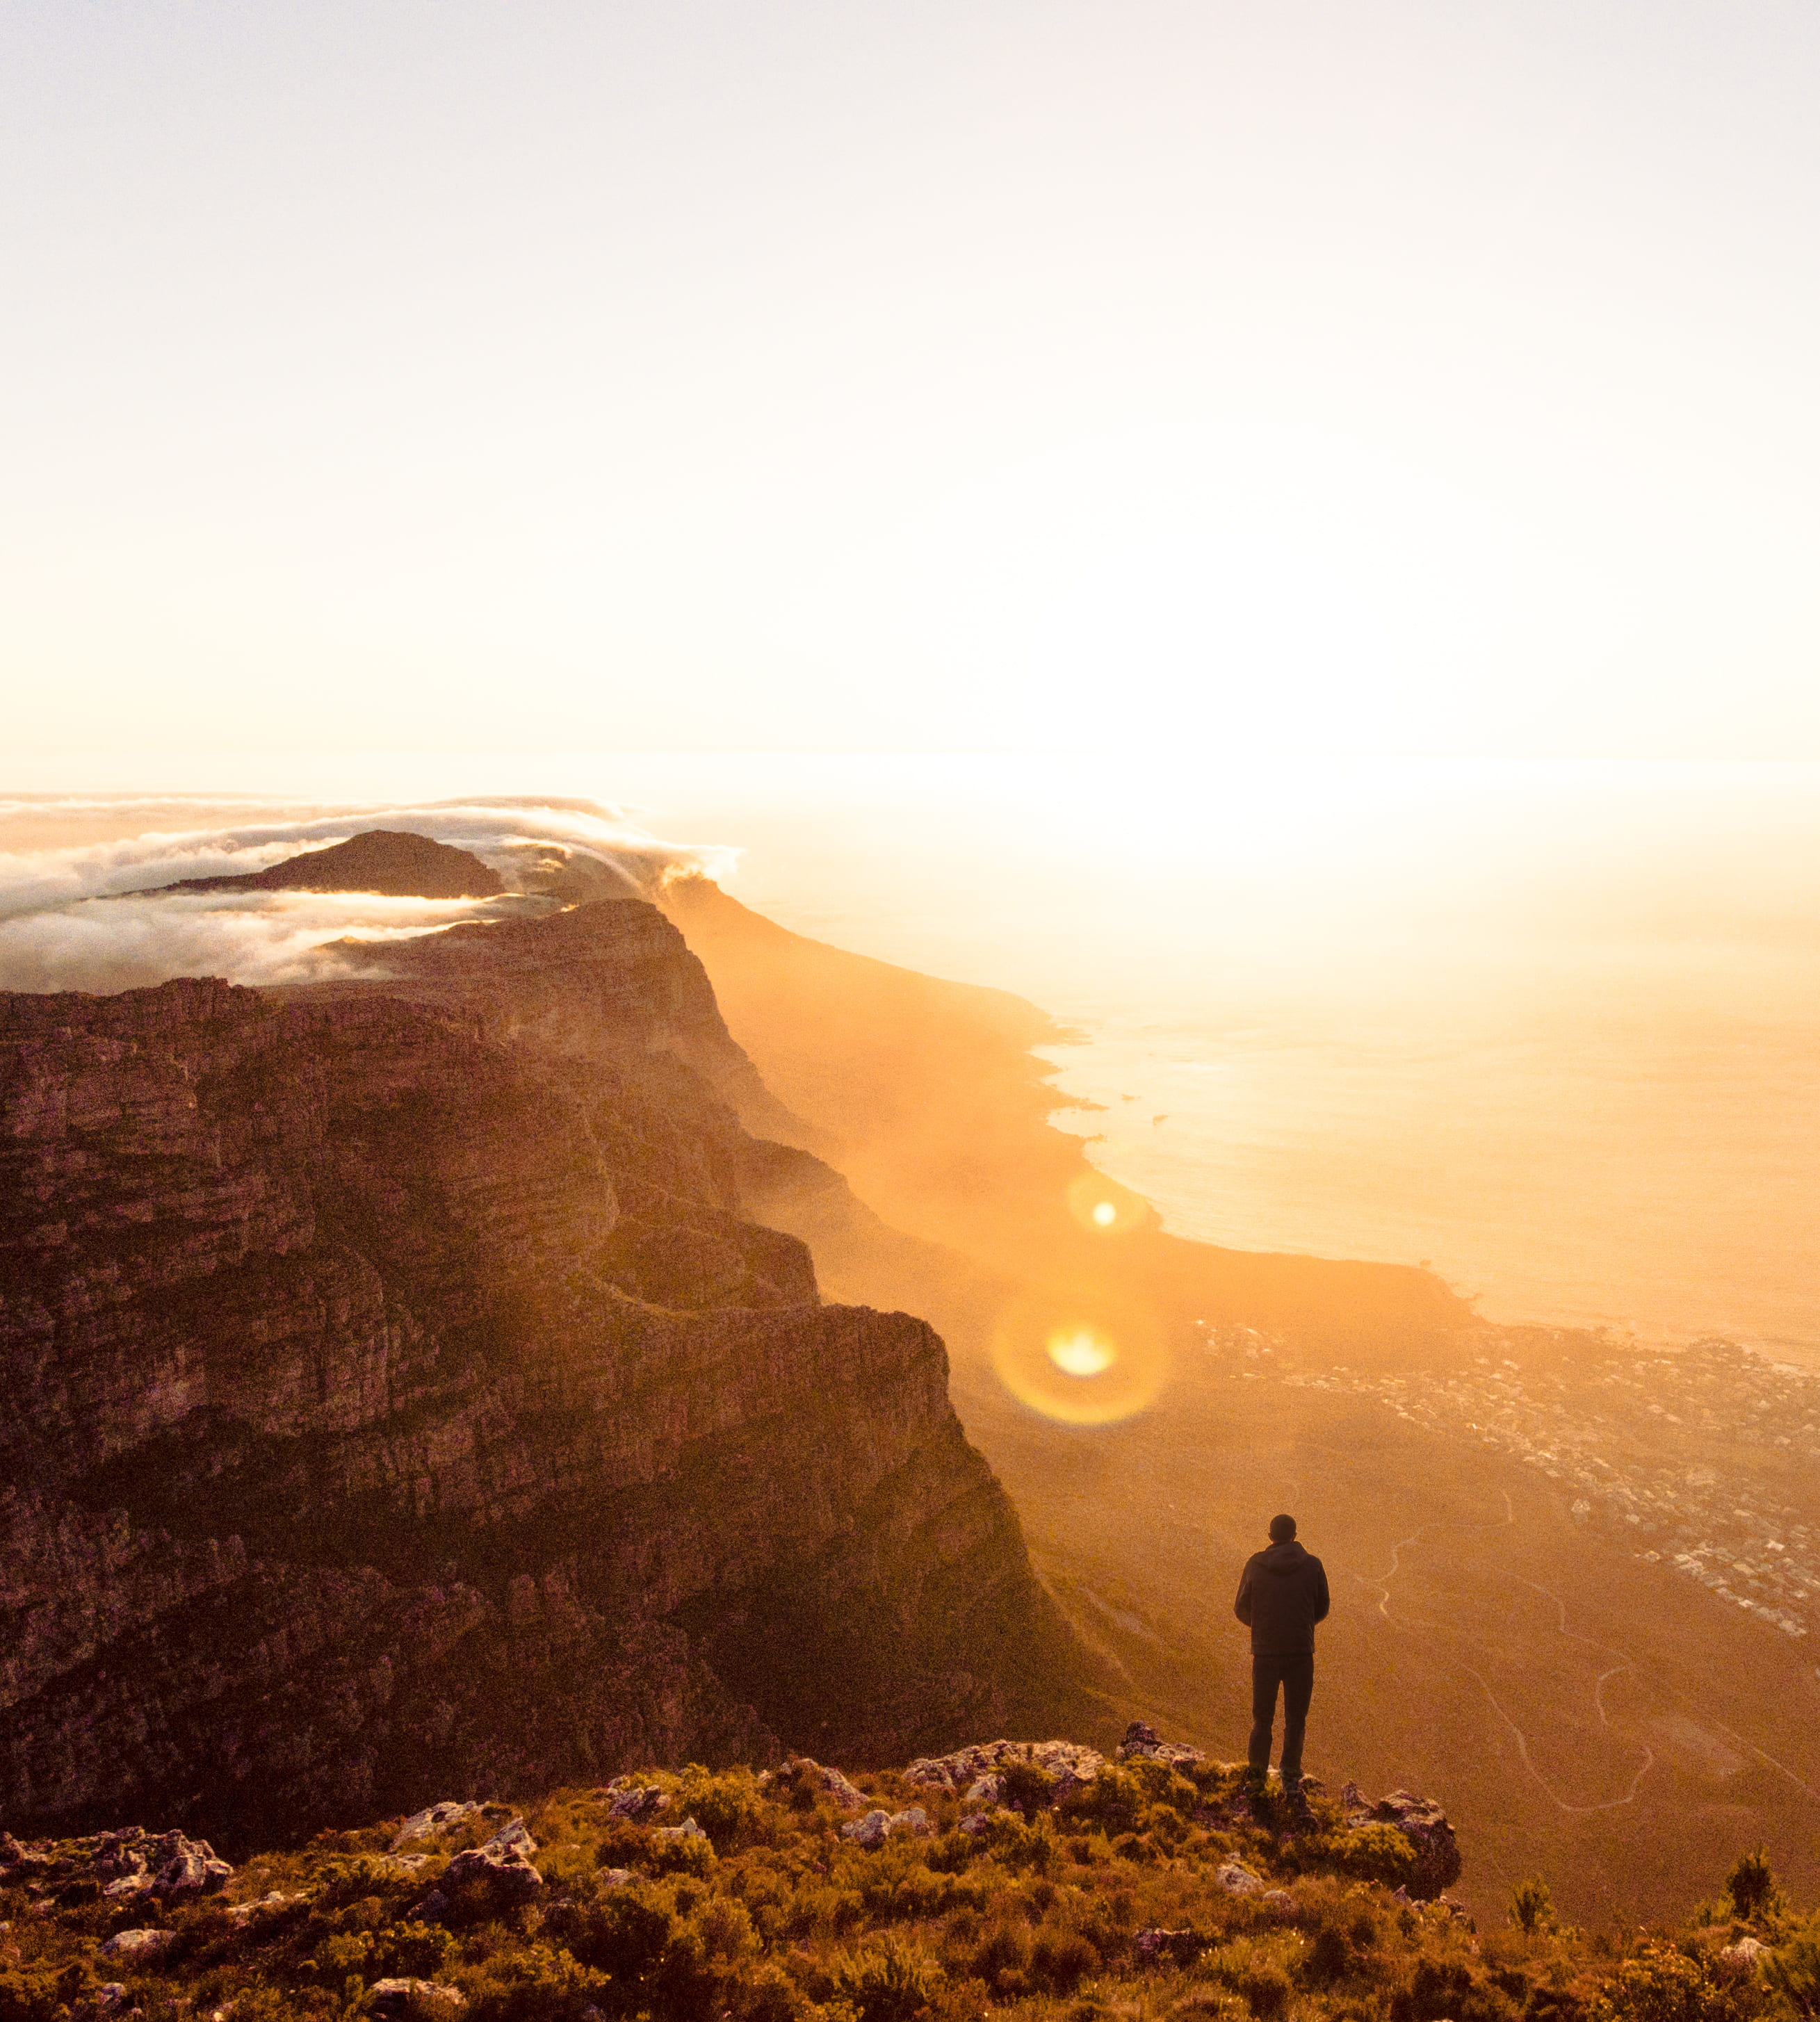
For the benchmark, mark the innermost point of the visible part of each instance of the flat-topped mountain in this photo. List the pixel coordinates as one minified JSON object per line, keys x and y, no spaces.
{"x":399,"y":1403}
{"x":388,"y":861}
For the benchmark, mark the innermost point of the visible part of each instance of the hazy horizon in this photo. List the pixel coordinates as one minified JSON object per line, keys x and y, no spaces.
{"x":1549,"y":1028}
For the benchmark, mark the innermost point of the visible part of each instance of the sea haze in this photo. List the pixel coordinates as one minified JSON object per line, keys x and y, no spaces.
{"x":1554,"y":1029}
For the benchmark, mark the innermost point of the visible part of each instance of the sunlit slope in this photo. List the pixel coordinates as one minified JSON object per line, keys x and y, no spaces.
{"x":1596,"y":1719}
{"x":926,"y":1096}
{"x":1584,"y":1713}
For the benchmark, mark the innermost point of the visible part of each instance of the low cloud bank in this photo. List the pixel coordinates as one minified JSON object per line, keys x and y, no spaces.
{"x":83,"y":917}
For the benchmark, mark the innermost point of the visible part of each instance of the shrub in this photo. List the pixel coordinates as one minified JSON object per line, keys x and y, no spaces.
{"x":1376,"y":1853}
{"x":904,"y":1893}
{"x":1257,"y":1978}
{"x":540,"y":1983}
{"x":1792,"y":1970}
{"x":688,"y":1856}
{"x":37,"y":1992}
{"x":1449,"y":1987}
{"x":1002,"y":1958}
{"x":726,"y":1929}
{"x":1060,"y":1959}
{"x":886,"y":1981}
{"x":769,"y":1996}
{"x":723,"y":1804}
{"x":1114,"y":1800}
{"x":1028,"y":1787}
{"x":1162,"y":1784}
{"x":1532,"y":1906}
{"x":1751,"y":1886}
{"x":1662,"y":1984}
{"x":625,"y":1934}
{"x":362,"y":1877}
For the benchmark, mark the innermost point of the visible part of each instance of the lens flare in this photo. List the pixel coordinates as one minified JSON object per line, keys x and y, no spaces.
{"x":1085,"y":1360}
{"x":1103,"y":1206}
{"x":1080,"y":1351}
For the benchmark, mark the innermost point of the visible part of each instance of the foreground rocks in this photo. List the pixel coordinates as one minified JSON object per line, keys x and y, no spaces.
{"x":1117,"y":1898}
{"x":486,"y":1880}
{"x":123,"y":1866}
{"x":1422,"y":1823}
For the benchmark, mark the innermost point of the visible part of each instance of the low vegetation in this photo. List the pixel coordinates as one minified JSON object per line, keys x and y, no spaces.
{"x":1148,"y":1892}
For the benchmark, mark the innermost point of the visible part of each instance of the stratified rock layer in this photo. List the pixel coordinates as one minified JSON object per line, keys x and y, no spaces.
{"x":398,"y":1411}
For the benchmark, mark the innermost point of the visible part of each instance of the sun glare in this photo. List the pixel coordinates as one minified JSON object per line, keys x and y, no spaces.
{"x":1101,"y":1205}
{"x":1086,"y":1361}
{"x":1080,"y":1351}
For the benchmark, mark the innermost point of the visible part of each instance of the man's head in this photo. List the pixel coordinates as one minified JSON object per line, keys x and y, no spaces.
{"x":1282,"y":1530}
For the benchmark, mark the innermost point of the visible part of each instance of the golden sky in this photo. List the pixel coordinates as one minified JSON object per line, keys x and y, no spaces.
{"x":1015,"y":374}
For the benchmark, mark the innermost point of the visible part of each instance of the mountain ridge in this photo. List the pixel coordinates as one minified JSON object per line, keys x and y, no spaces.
{"x":399,"y":1408}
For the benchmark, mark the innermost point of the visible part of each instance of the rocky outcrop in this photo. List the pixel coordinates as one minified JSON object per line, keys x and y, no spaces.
{"x":128,"y":1867}
{"x":1422,"y":1823}
{"x":399,"y":1409}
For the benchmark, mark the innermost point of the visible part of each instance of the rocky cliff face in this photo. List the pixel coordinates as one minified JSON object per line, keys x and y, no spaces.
{"x":400,"y":1406}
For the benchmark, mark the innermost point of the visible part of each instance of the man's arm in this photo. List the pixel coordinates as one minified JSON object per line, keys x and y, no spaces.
{"x":1322,"y":1602}
{"x":1241,"y":1606}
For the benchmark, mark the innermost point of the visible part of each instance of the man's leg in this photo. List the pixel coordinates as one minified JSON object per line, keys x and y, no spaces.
{"x":1264,"y":1676}
{"x":1298,"y":1689}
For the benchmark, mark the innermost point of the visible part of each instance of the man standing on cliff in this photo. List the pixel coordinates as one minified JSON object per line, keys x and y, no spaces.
{"x":1282,"y":1594}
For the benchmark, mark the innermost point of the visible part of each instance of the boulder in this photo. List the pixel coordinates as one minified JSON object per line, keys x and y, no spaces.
{"x":873,"y":1829}
{"x":1176,"y":1947}
{"x":244,"y":1913}
{"x":501,"y":1870}
{"x":1746,"y":1951}
{"x":1065,"y":1763}
{"x":1423,"y":1824}
{"x":820,"y":1776}
{"x":636,"y":1802}
{"x":688,"y":1830}
{"x":138,"y":1947}
{"x":1236,"y":1879}
{"x":433,"y":1818}
{"x":1141,"y":1744}
{"x":400,"y":1997}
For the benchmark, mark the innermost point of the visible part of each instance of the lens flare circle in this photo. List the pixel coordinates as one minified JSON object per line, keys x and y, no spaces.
{"x":1080,"y":1351}
{"x":1103,"y":1206}
{"x":1080,"y":1361}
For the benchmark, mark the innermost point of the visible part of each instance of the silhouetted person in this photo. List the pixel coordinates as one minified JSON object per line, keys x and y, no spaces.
{"x":1282,"y":1594}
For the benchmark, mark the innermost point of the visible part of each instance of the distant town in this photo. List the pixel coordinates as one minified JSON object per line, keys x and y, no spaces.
{"x":1691,"y":1451}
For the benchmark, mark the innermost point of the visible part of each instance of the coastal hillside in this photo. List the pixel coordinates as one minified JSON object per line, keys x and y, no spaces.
{"x":1575,"y":1578}
{"x":1039,"y":1881}
{"x":926,"y":1096}
{"x":399,"y":1408}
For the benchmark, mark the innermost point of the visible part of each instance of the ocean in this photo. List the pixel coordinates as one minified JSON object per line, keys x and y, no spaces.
{"x":1553,"y":1029}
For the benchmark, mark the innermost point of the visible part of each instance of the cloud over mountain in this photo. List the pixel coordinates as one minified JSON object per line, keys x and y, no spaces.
{"x":90,"y":915}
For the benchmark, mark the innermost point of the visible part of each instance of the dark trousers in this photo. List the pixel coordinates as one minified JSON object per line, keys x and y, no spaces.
{"x":1297,"y":1676}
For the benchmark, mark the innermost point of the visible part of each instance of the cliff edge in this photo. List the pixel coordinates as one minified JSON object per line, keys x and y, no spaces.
{"x":401,"y":1408}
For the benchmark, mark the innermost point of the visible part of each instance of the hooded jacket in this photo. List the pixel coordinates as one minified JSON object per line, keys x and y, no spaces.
{"x":1282,"y":1594}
